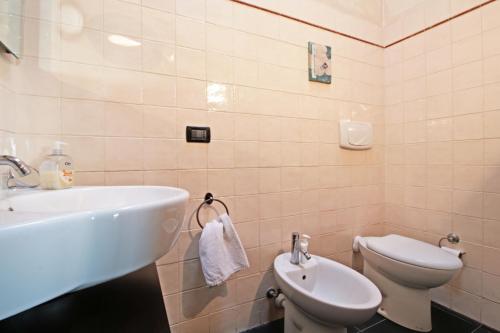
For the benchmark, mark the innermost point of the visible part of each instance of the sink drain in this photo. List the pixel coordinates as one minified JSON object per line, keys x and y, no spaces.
{"x":10,"y":209}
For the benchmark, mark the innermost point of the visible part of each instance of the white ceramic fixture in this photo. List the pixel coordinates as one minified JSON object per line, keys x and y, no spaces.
{"x":356,"y":135}
{"x":54,"y":242}
{"x":405,"y":269}
{"x":323,"y":296}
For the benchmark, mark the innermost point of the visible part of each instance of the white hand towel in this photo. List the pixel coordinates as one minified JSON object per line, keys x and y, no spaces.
{"x":221,"y":252}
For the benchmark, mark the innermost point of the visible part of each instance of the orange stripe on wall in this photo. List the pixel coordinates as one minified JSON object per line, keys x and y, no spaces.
{"x":307,"y":23}
{"x":242,"y":2}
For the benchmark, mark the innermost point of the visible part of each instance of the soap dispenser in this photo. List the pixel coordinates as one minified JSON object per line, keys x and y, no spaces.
{"x":56,"y":171}
{"x":304,"y":246}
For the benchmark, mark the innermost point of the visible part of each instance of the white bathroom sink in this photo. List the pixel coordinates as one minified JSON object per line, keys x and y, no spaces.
{"x":327,"y":290}
{"x":54,"y":242}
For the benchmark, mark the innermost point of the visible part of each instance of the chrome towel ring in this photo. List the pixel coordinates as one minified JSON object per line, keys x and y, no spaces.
{"x":209,"y":199}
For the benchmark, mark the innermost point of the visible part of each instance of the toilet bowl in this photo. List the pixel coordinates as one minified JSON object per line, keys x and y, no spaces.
{"x":404,"y":269}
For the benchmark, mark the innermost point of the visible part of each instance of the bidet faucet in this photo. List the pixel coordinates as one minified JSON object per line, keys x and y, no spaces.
{"x":296,"y":251}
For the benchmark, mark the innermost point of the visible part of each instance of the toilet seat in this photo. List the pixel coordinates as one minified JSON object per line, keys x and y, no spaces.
{"x":413,"y":252}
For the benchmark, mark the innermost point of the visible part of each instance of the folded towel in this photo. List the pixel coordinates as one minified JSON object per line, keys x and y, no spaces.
{"x":221,"y":252}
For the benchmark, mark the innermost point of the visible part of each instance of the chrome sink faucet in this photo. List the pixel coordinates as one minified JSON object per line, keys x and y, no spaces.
{"x":296,"y":250}
{"x":21,"y":168}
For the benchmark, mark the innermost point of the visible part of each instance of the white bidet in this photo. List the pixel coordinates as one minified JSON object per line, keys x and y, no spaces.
{"x":323,"y":296}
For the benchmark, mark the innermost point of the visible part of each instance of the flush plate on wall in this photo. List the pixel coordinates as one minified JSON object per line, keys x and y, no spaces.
{"x":356,"y":135}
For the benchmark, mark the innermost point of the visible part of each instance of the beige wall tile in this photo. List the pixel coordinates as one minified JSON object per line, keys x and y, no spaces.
{"x":191,"y":155}
{"x":191,"y":93}
{"x":190,"y":63}
{"x":81,"y":81}
{"x":160,"y":154}
{"x":468,"y":203}
{"x":115,"y":55}
{"x":439,"y":199}
{"x":159,"y":121}
{"x":468,"y":178}
{"x":467,"y":50}
{"x":39,"y":77}
{"x":158,"y":57}
{"x":439,"y":83}
{"x":116,"y":160}
{"x":439,"y":106}
{"x":219,"y":38}
{"x":121,"y":178}
{"x":157,"y":25}
{"x":469,"y":228}
{"x":491,"y":206}
{"x":220,"y":12}
{"x":468,"y":101}
{"x":466,"y":303}
{"x":468,"y":152}
{"x":159,"y":90}
{"x":491,"y":232}
{"x":488,"y":313}
{"x":221,"y":154}
{"x":491,"y":69}
{"x":82,"y":117}
{"x":491,"y":260}
{"x":492,"y":152}
{"x":189,"y":33}
{"x":165,"y":5}
{"x":122,"y":85}
{"x":86,"y":47}
{"x":90,"y":179}
{"x":437,"y":37}
{"x":123,"y":120}
{"x":469,"y":279}
{"x":492,"y":179}
{"x":489,"y":15}
{"x":91,"y":11}
{"x":37,"y":115}
{"x":491,"y":287}
{"x":468,"y":75}
{"x":191,"y":8}
{"x":492,"y":124}
{"x":219,"y":67}
{"x":122,"y":17}
{"x":162,"y":178}
{"x":466,"y":25}
{"x":489,"y":46}
{"x":491,"y":96}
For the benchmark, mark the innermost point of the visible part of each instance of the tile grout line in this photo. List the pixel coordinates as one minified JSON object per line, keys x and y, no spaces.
{"x":477,"y":328}
{"x":459,"y":316}
{"x":371,"y":326}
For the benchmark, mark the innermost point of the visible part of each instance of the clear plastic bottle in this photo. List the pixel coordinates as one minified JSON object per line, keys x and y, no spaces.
{"x":56,"y":171}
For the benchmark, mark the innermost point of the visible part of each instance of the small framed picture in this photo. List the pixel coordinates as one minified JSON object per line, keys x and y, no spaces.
{"x":320,"y":63}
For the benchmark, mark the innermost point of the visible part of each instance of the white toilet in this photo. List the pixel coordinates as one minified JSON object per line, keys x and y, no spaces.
{"x":404,"y":269}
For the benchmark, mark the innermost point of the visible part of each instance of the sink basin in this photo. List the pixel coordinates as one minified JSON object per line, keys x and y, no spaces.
{"x":330,"y":292}
{"x":54,"y":242}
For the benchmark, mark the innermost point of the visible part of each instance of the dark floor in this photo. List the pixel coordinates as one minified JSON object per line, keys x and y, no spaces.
{"x":443,"y":321}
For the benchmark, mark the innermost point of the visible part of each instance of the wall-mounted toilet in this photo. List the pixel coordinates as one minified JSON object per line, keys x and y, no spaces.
{"x":404,"y":269}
